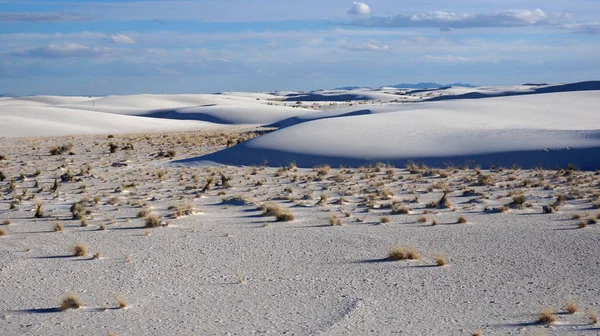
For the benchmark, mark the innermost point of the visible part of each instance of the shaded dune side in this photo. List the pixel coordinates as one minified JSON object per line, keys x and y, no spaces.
{"x":572,"y":87}
{"x":587,"y":158}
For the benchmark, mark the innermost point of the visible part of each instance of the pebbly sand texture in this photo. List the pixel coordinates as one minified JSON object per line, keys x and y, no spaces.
{"x":213,"y":264}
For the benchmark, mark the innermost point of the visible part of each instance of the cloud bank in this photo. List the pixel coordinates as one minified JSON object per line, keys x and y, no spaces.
{"x":446,"y":20}
{"x":42,"y":17}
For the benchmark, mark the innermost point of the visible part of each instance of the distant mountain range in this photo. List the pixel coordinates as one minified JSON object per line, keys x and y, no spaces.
{"x":413,"y":86}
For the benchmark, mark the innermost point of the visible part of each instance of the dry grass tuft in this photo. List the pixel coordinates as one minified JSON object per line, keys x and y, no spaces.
{"x":152,"y":221}
{"x":70,"y":301}
{"x":2,"y":232}
{"x":546,"y":317}
{"x":440,"y":260}
{"x":462,"y":220}
{"x":594,"y":317}
{"x":422,"y":219}
{"x":581,"y":224}
{"x":80,"y":250}
{"x":400,"y":253}
{"x":384,"y":219}
{"x":334,"y":220}
{"x":571,"y":308}
{"x":282,"y":215}
{"x":58,"y":227}
{"x":122,"y":302}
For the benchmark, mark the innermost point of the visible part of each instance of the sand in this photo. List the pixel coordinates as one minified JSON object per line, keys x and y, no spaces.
{"x":216,"y":266}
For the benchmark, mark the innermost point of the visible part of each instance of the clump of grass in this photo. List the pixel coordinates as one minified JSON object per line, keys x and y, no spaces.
{"x":334,"y":220}
{"x":39,"y":210}
{"x":581,"y":224}
{"x":422,"y":219}
{"x":462,"y":220}
{"x":571,"y":308}
{"x":113,"y":147}
{"x":240,"y":278}
{"x":440,"y":260}
{"x":546,"y":317}
{"x":152,"y":221}
{"x":57,"y":150}
{"x":143,"y":213}
{"x":122,"y":302}
{"x":58,"y":227}
{"x":80,"y":250}
{"x":322,"y":200}
{"x":102,"y":227}
{"x":576,"y":216}
{"x":384,"y":219}
{"x":70,"y":301}
{"x":434,"y":222}
{"x":2,"y":232}
{"x":97,"y":255}
{"x":518,"y":201}
{"x":7,"y":222}
{"x":594,"y":317}
{"x":443,"y":203}
{"x":400,"y":253}
{"x":400,"y":209}
{"x":84,"y":222}
{"x":282,"y":215}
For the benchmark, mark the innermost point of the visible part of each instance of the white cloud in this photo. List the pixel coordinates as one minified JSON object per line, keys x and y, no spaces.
{"x":445,"y":20}
{"x":65,"y":50}
{"x":122,"y":39}
{"x":367,"y":46}
{"x":584,"y":28}
{"x":462,"y":59}
{"x":360,"y":8}
{"x":42,"y":17}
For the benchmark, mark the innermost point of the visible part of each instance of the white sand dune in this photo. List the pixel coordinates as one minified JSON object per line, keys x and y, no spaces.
{"x":549,"y":130}
{"x":49,"y":115}
{"x":26,"y":121}
{"x":504,"y":91}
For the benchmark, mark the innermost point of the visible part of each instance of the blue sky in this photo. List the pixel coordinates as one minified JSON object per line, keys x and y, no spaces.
{"x":89,"y":47}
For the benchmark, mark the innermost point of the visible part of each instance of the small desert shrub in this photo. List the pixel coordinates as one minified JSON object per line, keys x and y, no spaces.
{"x":422,"y":219}
{"x":571,"y":308}
{"x":322,"y":200}
{"x":80,"y":250}
{"x":443,"y":203}
{"x":143,"y":213}
{"x":2,"y":176}
{"x":2,"y":232}
{"x":440,"y":260}
{"x":384,"y":219}
{"x":58,"y":227}
{"x":400,"y":253}
{"x":546,"y":317}
{"x":171,"y":154}
{"x":547,"y":209}
{"x":592,"y":221}
{"x":519,"y":201}
{"x":576,"y":216}
{"x":334,"y":220}
{"x":400,"y":209}
{"x":70,"y":301}
{"x":462,"y":220}
{"x":102,"y":227}
{"x":323,"y":170}
{"x":581,"y":224}
{"x":152,"y":221}
{"x":594,"y":317}
{"x":434,"y":222}
{"x":122,"y":302}
{"x":39,"y":210}
{"x":7,"y":222}
{"x":113,"y":147}
{"x":56,"y":150}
